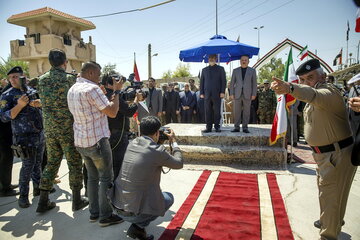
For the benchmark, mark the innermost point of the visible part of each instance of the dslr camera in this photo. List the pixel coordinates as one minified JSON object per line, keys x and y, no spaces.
{"x":24,"y":88}
{"x":129,"y":93}
{"x":162,"y":136}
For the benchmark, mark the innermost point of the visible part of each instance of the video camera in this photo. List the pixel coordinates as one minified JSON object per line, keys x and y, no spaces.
{"x":23,"y":87}
{"x":129,"y":93}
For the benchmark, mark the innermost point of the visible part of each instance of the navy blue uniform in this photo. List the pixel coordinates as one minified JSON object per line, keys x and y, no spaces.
{"x":27,"y":130}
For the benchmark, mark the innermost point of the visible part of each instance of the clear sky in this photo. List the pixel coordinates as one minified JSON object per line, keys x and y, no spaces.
{"x":320,"y":24}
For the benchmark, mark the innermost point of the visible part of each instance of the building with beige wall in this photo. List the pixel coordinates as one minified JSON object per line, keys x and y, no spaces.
{"x":46,"y":29}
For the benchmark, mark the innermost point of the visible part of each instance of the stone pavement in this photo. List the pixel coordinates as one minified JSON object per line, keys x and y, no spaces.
{"x":297,"y":185}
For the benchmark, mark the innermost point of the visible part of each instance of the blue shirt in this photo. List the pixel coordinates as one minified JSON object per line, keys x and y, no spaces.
{"x":29,"y":119}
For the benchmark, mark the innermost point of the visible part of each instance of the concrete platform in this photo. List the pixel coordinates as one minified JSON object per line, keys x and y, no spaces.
{"x":247,"y":149}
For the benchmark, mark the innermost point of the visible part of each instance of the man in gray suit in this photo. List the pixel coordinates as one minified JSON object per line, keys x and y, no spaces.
{"x":154,"y":100}
{"x":243,"y":87}
{"x":136,"y":195}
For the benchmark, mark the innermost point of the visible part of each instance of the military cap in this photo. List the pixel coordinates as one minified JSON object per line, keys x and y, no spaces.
{"x":266,"y":81}
{"x":308,"y":66}
{"x":16,"y":69}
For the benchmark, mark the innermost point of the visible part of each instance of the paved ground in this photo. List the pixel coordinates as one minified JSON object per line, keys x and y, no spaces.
{"x":297,"y":185}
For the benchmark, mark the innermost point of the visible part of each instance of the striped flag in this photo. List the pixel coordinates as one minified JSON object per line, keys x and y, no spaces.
{"x":136,"y":72}
{"x":303,"y":53}
{"x":357,"y":25}
{"x":338,"y":59}
{"x":279,"y":126}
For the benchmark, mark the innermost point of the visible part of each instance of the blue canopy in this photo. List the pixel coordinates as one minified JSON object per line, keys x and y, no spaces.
{"x":218,"y":44}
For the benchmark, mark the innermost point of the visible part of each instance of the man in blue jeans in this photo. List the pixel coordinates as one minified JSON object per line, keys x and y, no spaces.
{"x":136,"y":194}
{"x":90,"y":108}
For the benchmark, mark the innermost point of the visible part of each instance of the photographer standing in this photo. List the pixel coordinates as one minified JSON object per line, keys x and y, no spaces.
{"x":18,"y":105}
{"x":90,"y":108}
{"x":136,"y":195}
{"x":120,"y":125}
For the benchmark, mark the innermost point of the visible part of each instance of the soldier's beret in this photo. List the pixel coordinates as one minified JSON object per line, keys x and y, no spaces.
{"x":308,"y":66}
{"x":16,"y":69}
{"x":266,"y":81}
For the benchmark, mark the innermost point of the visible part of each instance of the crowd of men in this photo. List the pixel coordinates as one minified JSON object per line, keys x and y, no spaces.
{"x":87,"y":120}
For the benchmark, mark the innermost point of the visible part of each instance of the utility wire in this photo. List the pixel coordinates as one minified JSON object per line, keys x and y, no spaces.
{"x":130,"y":11}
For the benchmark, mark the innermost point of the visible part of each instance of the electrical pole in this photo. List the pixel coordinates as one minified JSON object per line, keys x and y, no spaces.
{"x":258,"y":29}
{"x":149,"y":60}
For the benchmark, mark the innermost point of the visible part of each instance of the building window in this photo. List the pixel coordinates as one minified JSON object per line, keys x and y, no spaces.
{"x":36,"y":37}
{"x":67,"y":39}
{"x":21,"y":42}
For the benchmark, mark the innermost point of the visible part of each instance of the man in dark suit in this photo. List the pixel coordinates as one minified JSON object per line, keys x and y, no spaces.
{"x":200,"y":108}
{"x":212,"y":89}
{"x":187,"y":103}
{"x":171,"y":104}
{"x":154,"y":100}
{"x":243,"y":88}
{"x":136,"y":195}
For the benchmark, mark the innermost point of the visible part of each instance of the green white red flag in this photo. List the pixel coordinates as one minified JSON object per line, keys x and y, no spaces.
{"x":279,"y":126}
{"x":303,"y":53}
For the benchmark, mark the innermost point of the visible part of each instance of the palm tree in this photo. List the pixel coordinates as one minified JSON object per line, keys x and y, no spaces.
{"x":6,"y":65}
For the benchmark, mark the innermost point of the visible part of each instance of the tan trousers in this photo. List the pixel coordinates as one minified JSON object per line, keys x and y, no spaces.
{"x":335,"y":174}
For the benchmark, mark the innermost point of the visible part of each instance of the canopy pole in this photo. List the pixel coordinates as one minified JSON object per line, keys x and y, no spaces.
{"x":216,"y":17}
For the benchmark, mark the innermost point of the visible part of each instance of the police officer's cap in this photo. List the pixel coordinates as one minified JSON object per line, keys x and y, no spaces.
{"x":266,"y":81}
{"x":308,"y":66}
{"x":16,"y":69}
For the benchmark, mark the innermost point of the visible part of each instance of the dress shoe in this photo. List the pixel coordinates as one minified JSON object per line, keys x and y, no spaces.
{"x":9,"y":193}
{"x":235,"y":130}
{"x":13,"y":186}
{"x":137,"y":232}
{"x":206,"y":131}
{"x":246,"y":130}
{"x":217,"y":130}
{"x":317,"y":224}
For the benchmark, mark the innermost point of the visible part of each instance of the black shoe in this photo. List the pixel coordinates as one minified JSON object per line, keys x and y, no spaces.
{"x":52,"y":190}
{"x":217,"y":130}
{"x":24,"y":202}
{"x":9,"y":193}
{"x":235,"y":130}
{"x":317,"y":224}
{"x":13,"y":186}
{"x":44,"y":202}
{"x":206,"y":131}
{"x":246,"y":130}
{"x":93,"y":218}
{"x":294,"y":144}
{"x":137,"y":232}
{"x":113,"y":219}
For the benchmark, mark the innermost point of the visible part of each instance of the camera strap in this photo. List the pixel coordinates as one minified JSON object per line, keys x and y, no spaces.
{"x":171,"y":151}
{"x":121,"y":135}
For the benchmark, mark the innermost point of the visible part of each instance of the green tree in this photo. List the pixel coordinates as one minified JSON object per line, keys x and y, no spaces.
{"x":109,"y":69}
{"x":167,"y":74}
{"x":182,"y":70}
{"x":6,"y":65}
{"x":274,"y":68}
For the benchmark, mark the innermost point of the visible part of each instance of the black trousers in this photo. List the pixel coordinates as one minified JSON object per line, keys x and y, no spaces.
{"x":6,"y":164}
{"x":170,"y":116}
{"x":212,"y":112}
{"x":118,"y":152}
{"x":186,"y":115}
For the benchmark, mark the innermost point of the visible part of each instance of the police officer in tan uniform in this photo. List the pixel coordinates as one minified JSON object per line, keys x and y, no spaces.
{"x":328,"y":132}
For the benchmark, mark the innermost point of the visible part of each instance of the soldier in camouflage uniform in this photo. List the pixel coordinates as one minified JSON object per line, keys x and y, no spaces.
{"x":19,"y":105}
{"x":267,"y":104}
{"x":58,"y":123}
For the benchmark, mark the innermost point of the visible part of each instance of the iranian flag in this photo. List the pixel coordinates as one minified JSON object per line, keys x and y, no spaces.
{"x":279,"y":126}
{"x":136,"y":72}
{"x":303,"y":53}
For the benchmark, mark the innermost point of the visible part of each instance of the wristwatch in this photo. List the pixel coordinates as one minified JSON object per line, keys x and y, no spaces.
{"x":117,"y":92}
{"x":291,"y":88}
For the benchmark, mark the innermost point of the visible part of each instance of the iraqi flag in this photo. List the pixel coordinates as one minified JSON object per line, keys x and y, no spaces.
{"x":357,"y":26}
{"x":279,"y":126}
{"x":303,"y":53}
{"x":338,"y":59}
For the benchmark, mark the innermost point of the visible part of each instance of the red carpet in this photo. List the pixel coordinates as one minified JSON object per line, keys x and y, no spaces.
{"x":234,"y":208}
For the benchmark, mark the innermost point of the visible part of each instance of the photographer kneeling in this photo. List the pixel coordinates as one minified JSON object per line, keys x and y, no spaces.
{"x":136,"y":194}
